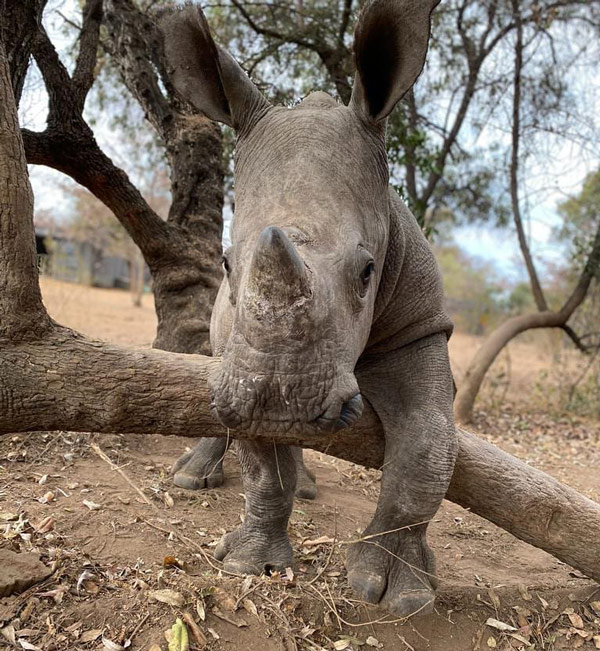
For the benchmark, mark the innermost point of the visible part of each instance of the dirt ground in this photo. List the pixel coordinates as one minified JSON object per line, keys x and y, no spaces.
{"x":131,"y":552}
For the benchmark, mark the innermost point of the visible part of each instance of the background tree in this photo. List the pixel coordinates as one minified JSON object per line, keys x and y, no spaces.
{"x":544,"y":317}
{"x":183,"y":252}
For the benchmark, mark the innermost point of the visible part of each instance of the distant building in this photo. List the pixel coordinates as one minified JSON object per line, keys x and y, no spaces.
{"x":64,"y":258}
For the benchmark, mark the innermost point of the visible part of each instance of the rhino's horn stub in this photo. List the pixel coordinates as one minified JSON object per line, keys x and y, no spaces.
{"x":277,"y":272}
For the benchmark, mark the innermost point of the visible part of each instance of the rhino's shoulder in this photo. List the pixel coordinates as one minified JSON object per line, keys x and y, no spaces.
{"x":410,"y":300}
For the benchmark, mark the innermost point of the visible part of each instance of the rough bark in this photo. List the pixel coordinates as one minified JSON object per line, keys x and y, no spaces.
{"x":22,"y":313}
{"x":18,"y":27}
{"x":184,"y":294}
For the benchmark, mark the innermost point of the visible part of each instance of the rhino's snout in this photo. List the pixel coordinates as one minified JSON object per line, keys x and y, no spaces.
{"x":335,"y":417}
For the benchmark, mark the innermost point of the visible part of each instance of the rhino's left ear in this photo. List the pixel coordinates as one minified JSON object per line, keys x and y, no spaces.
{"x":390,"y":44}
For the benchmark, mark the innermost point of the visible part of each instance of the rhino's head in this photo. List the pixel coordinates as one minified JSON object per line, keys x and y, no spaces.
{"x":310,"y":232}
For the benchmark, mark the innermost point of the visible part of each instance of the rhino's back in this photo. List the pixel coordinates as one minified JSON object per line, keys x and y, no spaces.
{"x":410,"y":300}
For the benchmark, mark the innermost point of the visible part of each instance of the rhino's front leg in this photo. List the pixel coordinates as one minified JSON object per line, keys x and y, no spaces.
{"x":261,"y":543}
{"x":411,"y":390}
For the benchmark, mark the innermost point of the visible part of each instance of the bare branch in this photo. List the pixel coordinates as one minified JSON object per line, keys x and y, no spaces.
{"x":83,"y":75}
{"x":134,"y":36}
{"x":76,"y":153}
{"x":56,"y":78}
{"x":576,"y":339}
{"x":267,"y":31}
{"x":536,"y":288}
{"x":590,"y":270}
{"x":345,"y":19}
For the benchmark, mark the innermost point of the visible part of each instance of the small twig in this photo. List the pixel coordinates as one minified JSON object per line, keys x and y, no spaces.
{"x":403,"y":640}
{"x":412,"y":567}
{"x":248,"y":592}
{"x":320,"y":574}
{"x":96,"y":448}
{"x":335,"y":610}
{"x":188,"y":541}
{"x":381,"y":620}
{"x":382,"y":533}
{"x":277,"y":464}
{"x":137,"y":628}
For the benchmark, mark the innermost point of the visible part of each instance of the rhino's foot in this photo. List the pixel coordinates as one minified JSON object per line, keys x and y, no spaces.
{"x":394,"y":571}
{"x":199,"y":469}
{"x":253,"y":552}
{"x":306,"y":486}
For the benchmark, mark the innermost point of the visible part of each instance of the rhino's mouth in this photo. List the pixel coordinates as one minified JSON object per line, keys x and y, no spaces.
{"x":252,"y":402}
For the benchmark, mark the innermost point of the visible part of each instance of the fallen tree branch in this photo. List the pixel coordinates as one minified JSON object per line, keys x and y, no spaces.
{"x":65,"y":381}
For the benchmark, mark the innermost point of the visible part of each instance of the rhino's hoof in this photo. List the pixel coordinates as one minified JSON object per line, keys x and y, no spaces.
{"x":367,"y":585}
{"x":195,"y":483}
{"x":244,"y":553}
{"x":306,"y":487}
{"x":411,"y":603}
{"x":195,"y":472}
{"x":395,"y":571}
{"x":373,"y":588}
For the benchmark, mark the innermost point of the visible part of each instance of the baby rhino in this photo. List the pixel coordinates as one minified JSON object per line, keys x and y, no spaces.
{"x":331,"y":296}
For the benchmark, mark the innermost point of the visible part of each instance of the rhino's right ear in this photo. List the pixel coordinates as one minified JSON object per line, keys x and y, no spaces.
{"x":206,"y":75}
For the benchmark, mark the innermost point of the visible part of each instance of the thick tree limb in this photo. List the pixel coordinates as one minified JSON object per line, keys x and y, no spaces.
{"x":22,"y":313}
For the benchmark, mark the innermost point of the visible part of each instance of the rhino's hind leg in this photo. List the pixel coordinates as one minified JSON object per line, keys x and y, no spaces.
{"x":306,"y":486}
{"x":261,"y":543}
{"x":411,"y":391}
{"x":201,"y":467}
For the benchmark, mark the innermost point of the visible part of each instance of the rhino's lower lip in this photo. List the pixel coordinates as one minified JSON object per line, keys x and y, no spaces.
{"x":350,"y":412}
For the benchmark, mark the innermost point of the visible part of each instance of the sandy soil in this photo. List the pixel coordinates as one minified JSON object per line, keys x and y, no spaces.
{"x":108,"y":534}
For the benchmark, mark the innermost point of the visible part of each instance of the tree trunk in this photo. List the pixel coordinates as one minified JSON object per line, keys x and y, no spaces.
{"x":186,"y":288}
{"x":470,"y":384}
{"x":184,"y":295}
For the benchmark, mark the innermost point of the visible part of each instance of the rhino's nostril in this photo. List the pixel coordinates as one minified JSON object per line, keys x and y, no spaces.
{"x":348,"y":414}
{"x":351,"y":410}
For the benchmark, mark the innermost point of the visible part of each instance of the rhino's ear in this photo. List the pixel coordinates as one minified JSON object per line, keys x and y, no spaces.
{"x":390,"y":44}
{"x":206,"y":75}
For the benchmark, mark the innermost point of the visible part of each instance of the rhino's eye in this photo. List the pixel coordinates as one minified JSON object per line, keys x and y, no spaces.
{"x":368,"y":271}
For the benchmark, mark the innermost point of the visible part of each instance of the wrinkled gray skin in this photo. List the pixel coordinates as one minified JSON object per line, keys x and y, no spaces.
{"x":331,"y":295}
